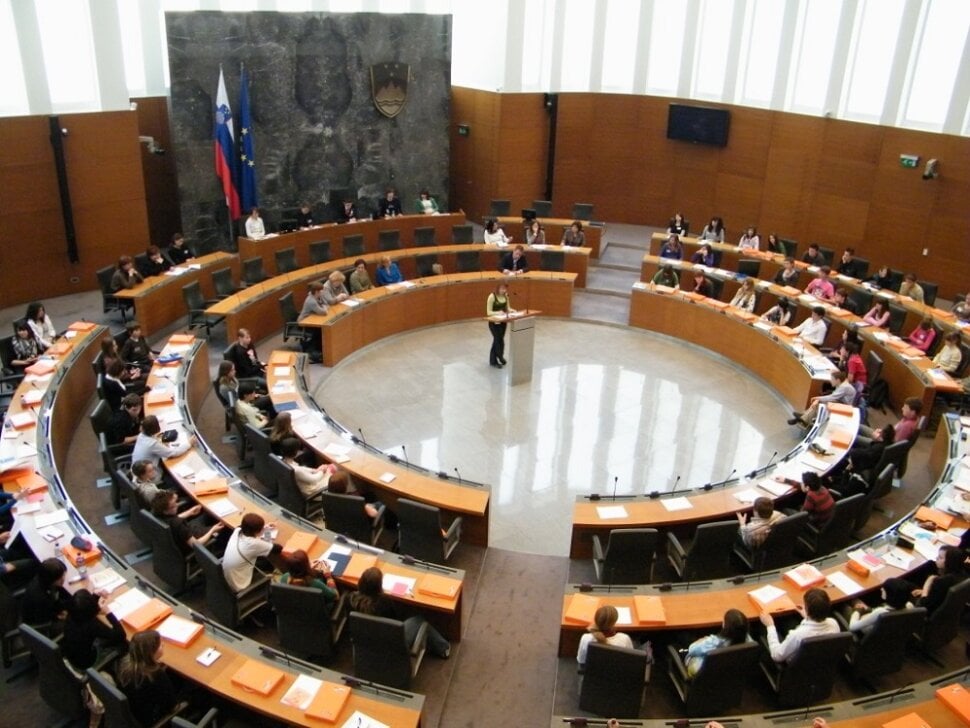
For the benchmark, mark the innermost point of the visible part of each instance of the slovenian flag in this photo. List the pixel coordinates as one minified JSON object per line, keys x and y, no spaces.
{"x":224,"y":148}
{"x":247,"y":151}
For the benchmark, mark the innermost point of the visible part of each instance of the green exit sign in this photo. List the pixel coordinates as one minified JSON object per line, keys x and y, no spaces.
{"x":463,"y":130}
{"x":908,"y":160}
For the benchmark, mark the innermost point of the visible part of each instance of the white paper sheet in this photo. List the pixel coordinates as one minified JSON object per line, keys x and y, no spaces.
{"x":607,"y":512}
{"x":126,"y":603}
{"x":748,"y":495}
{"x":302,"y":692}
{"x":49,"y":519}
{"x":844,"y":583}
{"x":681,"y":503}
{"x":766,"y":594}
{"x":222,"y":507}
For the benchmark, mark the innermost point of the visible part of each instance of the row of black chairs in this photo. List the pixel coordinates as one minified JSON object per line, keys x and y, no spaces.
{"x":540,"y":208}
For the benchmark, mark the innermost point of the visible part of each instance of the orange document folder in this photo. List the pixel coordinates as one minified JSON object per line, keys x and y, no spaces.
{"x":358,"y":564}
{"x":956,"y":698}
{"x":82,"y":326}
{"x":837,"y":408}
{"x":147,"y":615}
{"x":256,"y":677}
{"x":213,"y":486}
{"x":438,"y":586}
{"x":783,"y":331}
{"x":59,"y":349}
{"x":581,"y":609}
{"x":31,"y":483}
{"x":181,"y":339}
{"x":155,"y":397}
{"x":71,"y":554}
{"x":299,"y":541}
{"x":649,"y":610}
{"x":941,"y":519}
{"x":280,"y":359}
{"x":841,"y":440}
{"x":329,"y":702}
{"x":910,"y":720}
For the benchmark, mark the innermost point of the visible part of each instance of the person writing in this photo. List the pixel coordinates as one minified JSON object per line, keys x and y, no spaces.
{"x":149,"y":445}
{"x":882,"y":278}
{"x":299,"y":572}
{"x":514,"y":263}
{"x":178,"y":253}
{"x":574,"y":236}
{"x":334,"y":290}
{"x":245,"y":549}
{"x":388,"y":272}
{"x":188,"y":527}
{"x":254,"y":225}
{"x":603,"y":632}
{"x":347,"y":212}
{"x":497,"y":305}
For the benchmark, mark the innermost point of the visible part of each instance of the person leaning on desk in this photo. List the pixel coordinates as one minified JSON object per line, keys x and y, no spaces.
{"x":665,"y":276}
{"x":514,"y":263}
{"x":125,"y":275}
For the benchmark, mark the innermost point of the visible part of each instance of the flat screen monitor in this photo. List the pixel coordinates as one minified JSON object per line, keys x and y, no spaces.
{"x":698,"y":124}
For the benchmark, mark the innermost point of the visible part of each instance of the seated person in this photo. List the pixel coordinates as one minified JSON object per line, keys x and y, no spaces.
{"x":228,"y":383}
{"x":922,"y":336}
{"x":156,"y":264}
{"x":334,"y":290}
{"x":909,"y":287}
{"x":962,"y":308}
{"x":749,"y":240}
{"x":713,"y":231}
{"x":246,"y":407}
{"x":347,"y":212}
{"x":672,"y":248}
{"x":788,"y":275}
{"x":389,"y":205}
{"x":535,"y":234}
{"x":388,"y":272}
{"x":603,"y":632}
{"x":816,"y":622}
{"x":243,"y":356}
{"x":701,"y":284}
{"x":703,"y":256}
{"x":847,"y":475}
{"x":149,"y":445}
{"x":763,"y":516}
{"x":26,"y":350}
{"x":245,"y":547}
{"x":304,"y":218}
{"x":849,"y":266}
{"x":40,"y":325}
{"x":895,"y":595}
{"x":310,"y":481}
{"x":178,"y":252}
{"x":878,"y":315}
{"x":426,"y":205}
{"x":189,"y":527}
{"x":665,"y":276}
{"x":734,"y":631}
{"x":370,"y":599}
{"x":775,"y":245}
{"x":145,"y":681}
{"x":882,"y":278}
{"x":949,"y":357}
{"x":313,"y":305}
{"x":46,"y":601}
{"x":814,"y":256}
{"x":950,"y":571}
{"x":574,"y":236}
{"x":359,"y":279}
{"x":841,"y":299}
{"x":515,"y":262}
{"x":112,"y":386}
{"x":132,"y":376}
{"x":855,"y":367}
{"x":904,"y":429}
{"x":494,"y":235}
{"x":146,"y":478}
{"x":136,"y":350}
{"x":125,"y":275}
{"x":90,"y":631}
{"x":340,"y":484}
{"x":779,"y":314}
{"x":843,"y":393}
{"x":821,"y":286}
{"x":677,"y":225}
{"x":254,"y":225}
{"x":818,"y":503}
{"x":299,"y":572}
{"x":814,"y":328}
{"x":840,"y":354}
{"x":745,"y":298}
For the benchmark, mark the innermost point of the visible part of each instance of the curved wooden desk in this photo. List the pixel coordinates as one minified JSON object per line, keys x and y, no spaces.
{"x":554,"y":226}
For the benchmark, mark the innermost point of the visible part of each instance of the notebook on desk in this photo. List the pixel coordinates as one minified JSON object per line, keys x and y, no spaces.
{"x":257,"y":677}
{"x":147,"y":615}
{"x":358,"y":564}
{"x":439,"y":586}
{"x":581,"y":609}
{"x":329,"y":702}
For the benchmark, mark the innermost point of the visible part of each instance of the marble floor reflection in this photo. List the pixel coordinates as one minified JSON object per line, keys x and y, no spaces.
{"x":607,"y":405}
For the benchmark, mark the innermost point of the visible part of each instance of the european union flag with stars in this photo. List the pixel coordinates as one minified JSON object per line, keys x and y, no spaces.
{"x":247,"y":149}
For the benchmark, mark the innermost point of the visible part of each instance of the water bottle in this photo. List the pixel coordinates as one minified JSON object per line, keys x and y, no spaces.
{"x":82,"y":568}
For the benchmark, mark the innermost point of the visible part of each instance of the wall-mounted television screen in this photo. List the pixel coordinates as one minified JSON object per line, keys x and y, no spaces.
{"x":698,"y":124}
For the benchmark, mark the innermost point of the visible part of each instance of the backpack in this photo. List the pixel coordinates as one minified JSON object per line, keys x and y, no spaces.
{"x":878,"y":395}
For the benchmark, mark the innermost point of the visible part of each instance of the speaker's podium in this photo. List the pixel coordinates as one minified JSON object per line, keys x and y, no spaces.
{"x":522,"y":325}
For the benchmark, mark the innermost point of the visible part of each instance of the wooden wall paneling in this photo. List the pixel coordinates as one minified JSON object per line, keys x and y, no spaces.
{"x":475,"y":158}
{"x":158,"y":171}
{"x":523,"y":145}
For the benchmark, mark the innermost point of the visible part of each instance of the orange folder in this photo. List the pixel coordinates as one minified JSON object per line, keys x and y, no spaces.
{"x":155,"y":397}
{"x":743,"y":315}
{"x":957,"y":699}
{"x":358,"y":564}
{"x":649,"y":610}
{"x":181,"y":339}
{"x":694,"y":296}
{"x":299,"y":541}
{"x":941,"y":519}
{"x":40,"y":368}
{"x":82,"y":326}
{"x":783,"y":331}
{"x":148,"y":615}
{"x":31,"y":483}
{"x":840,"y":440}
{"x":581,"y":609}
{"x":59,"y":349}
{"x":13,"y":476}
{"x":714,"y":303}
{"x":71,"y":554}
{"x":213,"y":486}
{"x":837,"y":408}
{"x":439,"y":586}
{"x":910,"y":720}
{"x":280,"y":359}
{"x":329,"y":702}
{"x":257,"y":677}
{"x":664,"y":289}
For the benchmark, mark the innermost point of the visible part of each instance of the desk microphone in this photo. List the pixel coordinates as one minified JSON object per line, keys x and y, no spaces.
{"x":615,"y":481}
{"x":360,"y":431}
{"x":754,"y":472}
{"x":459,"y":476}
{"x":407,"y":463}
{"x":675,"y":484}
{"x":728,"y":478}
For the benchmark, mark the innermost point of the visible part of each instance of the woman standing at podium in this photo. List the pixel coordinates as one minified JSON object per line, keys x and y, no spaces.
{"x":497,"y":304}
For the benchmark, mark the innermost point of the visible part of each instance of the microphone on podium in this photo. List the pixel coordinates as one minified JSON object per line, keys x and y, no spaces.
{"x":459,"y":476}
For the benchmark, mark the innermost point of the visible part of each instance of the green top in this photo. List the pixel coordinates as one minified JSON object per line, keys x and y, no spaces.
{"x":329,"y":592}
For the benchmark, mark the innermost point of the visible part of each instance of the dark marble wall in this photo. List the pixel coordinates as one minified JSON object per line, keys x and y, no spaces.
{"x":317,"y":132}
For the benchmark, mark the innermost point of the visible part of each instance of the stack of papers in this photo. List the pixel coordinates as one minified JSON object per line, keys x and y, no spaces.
{"x":126,"y":603}
{"x":399,"y":585}
{"x":337,"y":453}
{"x":222,"y":507}
{"x":106,"y":580}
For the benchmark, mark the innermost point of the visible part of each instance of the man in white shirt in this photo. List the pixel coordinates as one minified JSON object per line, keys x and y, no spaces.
{"x":842,"y":393}
{"x":814,"y":328}
{"x":816,"y":622}
{"x":254,"y":225}
{"x":247,"y":410}
{"x":149,"y":445}
{"x":244,"y":548}
{"x":310,"y":481}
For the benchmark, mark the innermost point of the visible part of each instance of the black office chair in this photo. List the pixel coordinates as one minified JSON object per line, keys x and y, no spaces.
{"x":628,"y":556}
{"x":388,"y":240}
{"x":319,"y":252}
{"x":286,"y":261}
{"x":943,"y":625}
{"x":261,"y":448}
{"x":382,"y":653}
{"x":227,"y":411}
{"x":137,"y":508}
{"x":552,"y":260}
{"x":719,"y":684}
{"x":897,"y":316}
{"x":543,"y":208}
{"x":10,"y":378}
{"x":882,"y":650}
{"x":109,"y":301}
{"x":930,"y":291}
{"x":582,"y":211}
{"x":197,"y":305}
{"x":227,"y":606}
{"x":836,"y":533}
{"x":113,"y":457}
{"x":59,"y":686}
{"x":613,"y":681}
{"x":828,"y":254}
{"x":345,"y":514}
{"x":708,"y":555}
{"x":500,"y":208}
{"x":424,"y":237}
{"x":101,"y":417}
{"x":750,"y":268}
{"x":353,"y":245}
{"x":469,"y":261}
{"x":172,"y":565}
{"x":424,"y":264}
{"x":223,"y":284}
{"x":807,"y":678}
{"x":717,"y":286}
{"x":289,"y":314}
{"x":879,"y":487}
{"x":862,"y":268}
{"x":288,"y":493}
{"x":778,"y":548}
{"x":892,"y":455}
{"x":462,"y":234}
{"x":141,"y":264}
{"x":242,"y":445}
{"x":117,"y":710}
{"x":861,"y":298}
{"x":421,"y":535}
{"x":791,"y":247}
{"x":253,"y":272}
{"x":306,"y":623}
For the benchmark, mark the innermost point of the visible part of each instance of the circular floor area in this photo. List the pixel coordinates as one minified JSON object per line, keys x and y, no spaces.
{"x":605,"y":403}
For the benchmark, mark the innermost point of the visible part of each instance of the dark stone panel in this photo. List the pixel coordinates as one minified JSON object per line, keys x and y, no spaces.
{"x":317,"y":131}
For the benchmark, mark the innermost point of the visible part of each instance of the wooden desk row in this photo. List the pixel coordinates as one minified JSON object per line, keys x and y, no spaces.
{"x":388,"y":480}
{"x":60,"y":410}
{"x":257,"y":307}
{"x":515,"y":228}
{"x":906,"y":370}
{"x":158,"y":300}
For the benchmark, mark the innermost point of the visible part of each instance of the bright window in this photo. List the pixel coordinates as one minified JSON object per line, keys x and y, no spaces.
{"x":871,"y":59}
{"x":68,"y":48}
{"x":941,"y":44}
{"x":620,"y":44}
{"x":713,"y":37}
{"x":812,"y":60}
{"x":13,"y":92}
{"x":537,"y":29}
{"x":577,"y":44}
{"x":760,"y":41}
{"x":666,"y":43}
{"x":129,"y":17}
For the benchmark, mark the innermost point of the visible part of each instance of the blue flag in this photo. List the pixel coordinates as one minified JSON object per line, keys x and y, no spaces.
{"x":247,"y":150}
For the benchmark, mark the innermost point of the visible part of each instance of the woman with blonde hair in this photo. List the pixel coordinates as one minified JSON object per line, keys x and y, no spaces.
{"x":745,"y":297}
{"x":143,"y":679}
{"x":603,"y":632}
{"x":334,"y":290}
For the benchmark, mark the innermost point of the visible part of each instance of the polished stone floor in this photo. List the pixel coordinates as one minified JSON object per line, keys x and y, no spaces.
{"x":606,"y":403}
